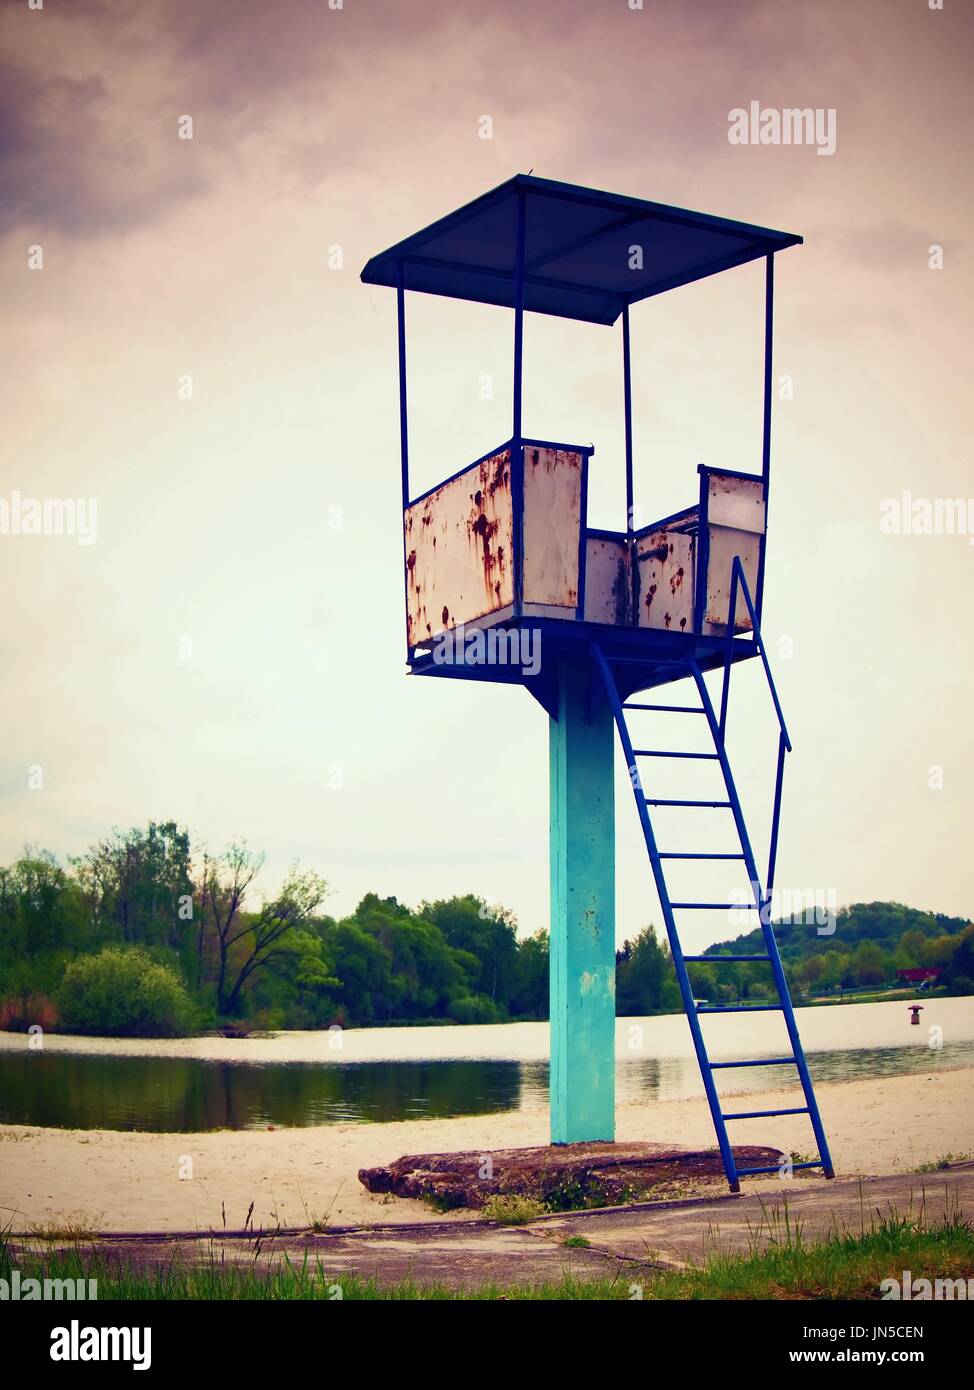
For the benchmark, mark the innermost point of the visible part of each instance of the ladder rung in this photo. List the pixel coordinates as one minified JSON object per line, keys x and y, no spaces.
{"x":659,"y":753}
{"x":655,"y":801}
{"x":725,"y":907}
{"x":681,"y":855}
{"x":671,"y":709}
{"x":741,"y":1009}
{"x":720,"y":959}
{"x":776,"y":1168}
{"x":763,"y":1114}
{"x":758,"y":1062}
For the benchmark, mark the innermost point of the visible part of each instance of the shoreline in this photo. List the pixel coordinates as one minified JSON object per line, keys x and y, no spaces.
{"x":664,"y":1036}
{"x":134,"y":1181}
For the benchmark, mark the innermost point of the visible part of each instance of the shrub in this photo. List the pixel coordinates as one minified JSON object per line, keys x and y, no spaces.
{"x":512,"y":1209}
{"x":24,"y":1010}
{"x":122,"y":992}
{"x":577,"y":1194}
{"x":474,"y":1008}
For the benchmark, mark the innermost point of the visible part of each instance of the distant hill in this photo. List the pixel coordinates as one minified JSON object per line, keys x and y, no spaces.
{"x":881,"y":923}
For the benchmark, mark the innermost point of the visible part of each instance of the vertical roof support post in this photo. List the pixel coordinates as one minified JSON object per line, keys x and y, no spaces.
{"x":766,"y":431}
{"x":403,"y":421}
{"x":627,"y":413}
{"x":517,"y":447}
{"x":403,"y":434}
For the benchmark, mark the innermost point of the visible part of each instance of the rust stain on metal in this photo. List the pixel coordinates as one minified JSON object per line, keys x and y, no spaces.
{"x":486,"y":530}
{"x":458,"y":531}
{"x":620,"y":592}
{"x":668,"y":558}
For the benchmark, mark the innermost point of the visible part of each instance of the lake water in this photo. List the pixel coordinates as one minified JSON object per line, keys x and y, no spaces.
{"x":380,"y":1074}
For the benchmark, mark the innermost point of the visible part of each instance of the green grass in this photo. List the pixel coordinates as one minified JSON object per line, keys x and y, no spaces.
{"x":845,"y":1266}
{"x":947,"y":1160}
{"x":780,"y":1264}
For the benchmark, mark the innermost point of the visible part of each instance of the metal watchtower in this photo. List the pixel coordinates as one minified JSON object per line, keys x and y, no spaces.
{"x":500,"y":558}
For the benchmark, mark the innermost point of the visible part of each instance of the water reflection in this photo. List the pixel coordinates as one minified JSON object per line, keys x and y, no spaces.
{"x":156,"y":1094}
{"x":189,"y":1095}
{"x":677,"y":1078}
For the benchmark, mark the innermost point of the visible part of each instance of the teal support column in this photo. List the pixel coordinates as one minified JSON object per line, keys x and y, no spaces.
{"x":582,"y":851}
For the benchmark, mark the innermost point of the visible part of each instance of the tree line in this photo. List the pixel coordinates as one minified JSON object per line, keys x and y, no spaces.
{"x":142,"y":934}
{"x":140,"y":913}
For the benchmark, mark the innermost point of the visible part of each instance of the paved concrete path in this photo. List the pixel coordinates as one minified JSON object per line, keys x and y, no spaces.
{"x":623,"y":1240}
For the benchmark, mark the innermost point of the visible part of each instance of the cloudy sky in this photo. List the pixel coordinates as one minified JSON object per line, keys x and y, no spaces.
{"x":229,"y":650}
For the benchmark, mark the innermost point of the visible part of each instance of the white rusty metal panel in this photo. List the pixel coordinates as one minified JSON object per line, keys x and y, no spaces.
{"x":459,"y":551}
{"x":737,"y":502}
{"x":552,"y":526}
{"x":666,"y":587}
{"x":725,"y":543}
{"x":736,"y":520}
{"x":607,"y":585}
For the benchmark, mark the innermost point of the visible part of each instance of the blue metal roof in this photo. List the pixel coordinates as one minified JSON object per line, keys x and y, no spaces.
{"x":577,"y":250}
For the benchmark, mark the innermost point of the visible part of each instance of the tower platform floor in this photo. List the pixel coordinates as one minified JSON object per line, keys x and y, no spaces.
{"x":527,"y":651}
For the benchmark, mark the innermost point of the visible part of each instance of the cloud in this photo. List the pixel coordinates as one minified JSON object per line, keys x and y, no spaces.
{"x":70,"y":162}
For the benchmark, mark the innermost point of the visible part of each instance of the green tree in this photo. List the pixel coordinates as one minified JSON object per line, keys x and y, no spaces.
{"x":364,"y":968}
{"x":530,"y":995}
{"x":645,"y":979}
{"x":958,"y":974}
{"x":427,"y":972}
{"x":42,"y":921}
{"x":137,"y":887}
{"x":484,"y":932}
{"x":834,"y":966}
{"x":868,"y":964}
{"x":812,"y":971}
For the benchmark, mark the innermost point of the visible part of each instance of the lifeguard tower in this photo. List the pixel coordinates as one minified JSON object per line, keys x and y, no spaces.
{"x":500,"y":564}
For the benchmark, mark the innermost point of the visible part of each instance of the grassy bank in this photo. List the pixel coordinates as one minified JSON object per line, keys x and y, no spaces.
{"x":845,"y":1266}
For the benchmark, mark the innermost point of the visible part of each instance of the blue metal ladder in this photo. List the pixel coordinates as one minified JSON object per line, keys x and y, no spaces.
{"x":762,"y":896}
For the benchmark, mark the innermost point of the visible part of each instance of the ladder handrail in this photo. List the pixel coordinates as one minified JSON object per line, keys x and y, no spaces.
{"x":739,"y":580}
